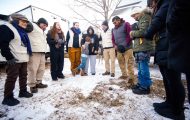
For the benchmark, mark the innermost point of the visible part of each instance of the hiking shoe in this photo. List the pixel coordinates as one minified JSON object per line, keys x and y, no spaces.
{"x":25,"y":94}
{"x":33,"y":89}
{"x":168,"y":113}
{"x":106,"y":73}
{"x":123,"y":77}
{"x":161,"y":105}
{"x":93,"y":73}
{"x":141,"y":91}
{"x":10,"y":101}
{"x":112,"y":74}
{"x":41,"y":85}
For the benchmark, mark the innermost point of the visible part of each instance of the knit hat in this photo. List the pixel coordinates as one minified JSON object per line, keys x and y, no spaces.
{"x":42,"y":20}
{"x":135,"y":11}
{"x":121,"y":48}
{"x":105,"y":23}
{"x":17,"y":16}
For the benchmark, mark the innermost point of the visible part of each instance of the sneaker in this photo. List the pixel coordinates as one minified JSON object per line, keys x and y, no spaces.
{"x":93,"y":73}
{"x":106,"y":73}
{"x":33,"y":89}
{"x":41,"y":85}
{"x":112,"y":74}
{"x":123,"y":77}
{"x":141,"y":91}
{"x":25,"y":94}
{"x":161,"y":105}
{"x":168,"y":113}
{"x":10,"y":101}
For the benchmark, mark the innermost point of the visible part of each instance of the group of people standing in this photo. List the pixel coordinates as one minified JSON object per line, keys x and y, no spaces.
{"x":160,"y":29}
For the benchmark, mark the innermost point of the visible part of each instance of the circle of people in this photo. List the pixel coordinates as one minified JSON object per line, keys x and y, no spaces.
{"x":23,"y":44}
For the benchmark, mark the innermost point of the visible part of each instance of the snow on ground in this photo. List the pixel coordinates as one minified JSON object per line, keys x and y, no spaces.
{"x":83,"y":98}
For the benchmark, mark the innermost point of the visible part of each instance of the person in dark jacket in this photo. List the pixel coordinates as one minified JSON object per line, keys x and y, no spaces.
{"x":157,"y":29}
{"x":73,"y":46}
{"x":56,"y":40}
{"x":93,"y":50}
{"x":16,"y":49}
{"x":123,"y":45}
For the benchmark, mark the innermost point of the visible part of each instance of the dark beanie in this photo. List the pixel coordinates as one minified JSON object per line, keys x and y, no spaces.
{"x":121,"y":48}
{"x":105,"y":23}
{"x":42,"y":20}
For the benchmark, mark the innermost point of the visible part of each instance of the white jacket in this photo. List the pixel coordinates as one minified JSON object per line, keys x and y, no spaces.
{"x":17,"y":48}
{"x":38,"y":39}
{"x":106,"y":39}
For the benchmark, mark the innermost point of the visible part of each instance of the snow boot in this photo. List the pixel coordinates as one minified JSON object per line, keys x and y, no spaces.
{"x":161,"y":105}
{"x":33,"y":89}
{"x":10,"y":101}
{"x":168,"y":113}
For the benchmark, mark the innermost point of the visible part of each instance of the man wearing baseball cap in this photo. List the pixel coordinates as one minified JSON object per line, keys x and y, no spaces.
{"x":36,"y":64}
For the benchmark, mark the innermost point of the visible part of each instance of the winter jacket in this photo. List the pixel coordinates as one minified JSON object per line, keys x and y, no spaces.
{"x":73,"y":39}
{"x":141,"y":44}
{"x":93,"y":46}
{"x":52,"y":43}
{"x":120,"y":35}
{"x":178,"y":28}
{"x":11,"y":44}
{"x":106,"y":38}
{"x":158,"y":28}
{"x":38,"y":39}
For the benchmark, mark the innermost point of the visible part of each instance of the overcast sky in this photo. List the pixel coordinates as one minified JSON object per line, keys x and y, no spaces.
{"x":56,"y":6}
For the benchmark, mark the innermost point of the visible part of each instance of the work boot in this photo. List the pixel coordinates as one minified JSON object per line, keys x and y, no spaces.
{"x":41,"y":85}
{"x":25,"y":94}
{"x":10,"y":101}
{"x":130,"y":83}
{"x":106,"y":73}
{"x":123,"y":77}
{"x":112,"y":74}
{"x":33,"y":89}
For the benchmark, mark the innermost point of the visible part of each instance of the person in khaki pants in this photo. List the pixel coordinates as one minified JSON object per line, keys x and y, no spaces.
{"x":122,"y":43}
{"x":36,"y":64}
{"x":108,"y":49}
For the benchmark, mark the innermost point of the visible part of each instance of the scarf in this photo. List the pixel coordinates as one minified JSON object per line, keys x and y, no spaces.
{"x":76,"y":31}
{"x":24,"y":37}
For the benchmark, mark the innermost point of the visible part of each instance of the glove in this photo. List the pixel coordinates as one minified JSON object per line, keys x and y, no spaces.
{"x":60,"y":41}
{"x":12,"y":61}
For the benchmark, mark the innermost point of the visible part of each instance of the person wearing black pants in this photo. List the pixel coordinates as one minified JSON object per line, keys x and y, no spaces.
{"x":56,"y":40}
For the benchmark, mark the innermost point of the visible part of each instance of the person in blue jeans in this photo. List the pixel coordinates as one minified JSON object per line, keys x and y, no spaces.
{"x":142,"y":49}
{"x":84,"y":55}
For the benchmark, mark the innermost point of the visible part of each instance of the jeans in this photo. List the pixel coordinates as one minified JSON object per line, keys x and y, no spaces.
{"x":144,"y":74}
{"x":82,"y":64}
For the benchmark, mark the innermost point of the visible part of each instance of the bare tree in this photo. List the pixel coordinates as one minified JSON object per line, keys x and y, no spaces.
{"x":104,"y":8}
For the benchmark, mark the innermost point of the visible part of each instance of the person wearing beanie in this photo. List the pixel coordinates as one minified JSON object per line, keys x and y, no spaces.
{"x":108,"y":49}
{"x":16,"y":48}
{"x":119,"y":37}
{"x":36,"y":64}
{"x":142,"y":49}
